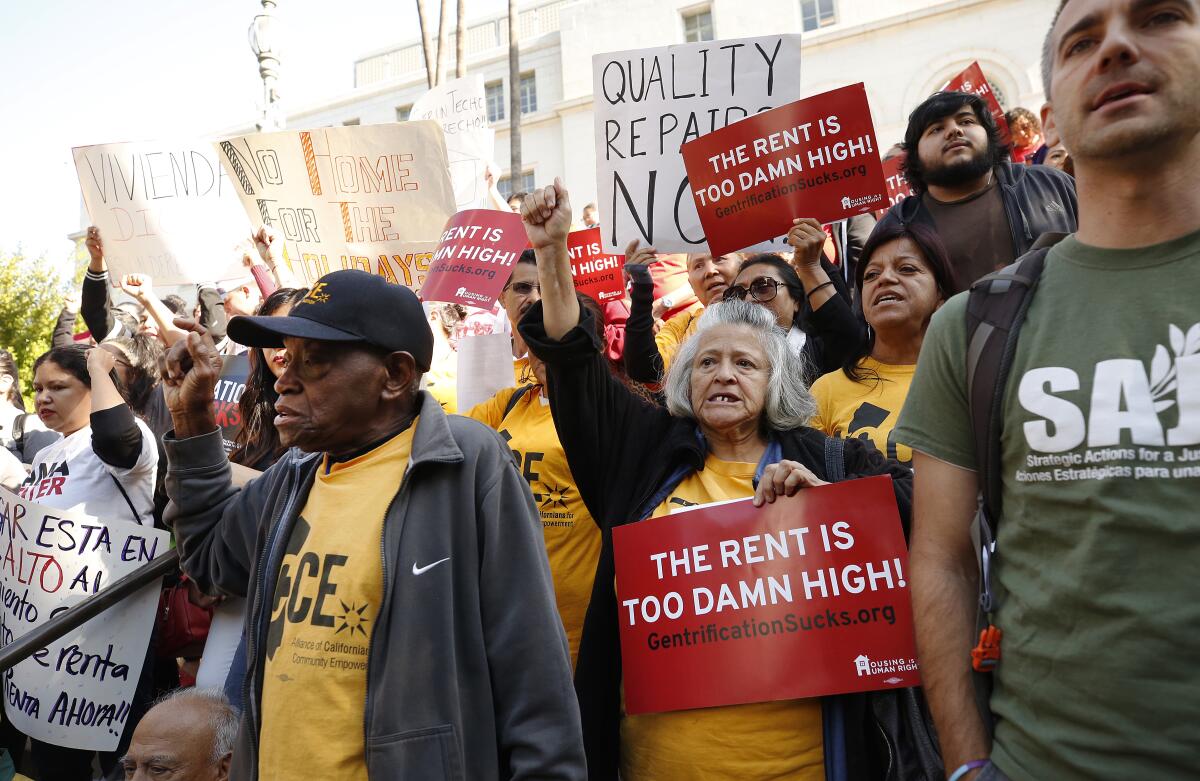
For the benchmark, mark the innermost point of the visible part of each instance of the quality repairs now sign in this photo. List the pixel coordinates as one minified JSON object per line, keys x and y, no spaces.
{"x":727,"y":603}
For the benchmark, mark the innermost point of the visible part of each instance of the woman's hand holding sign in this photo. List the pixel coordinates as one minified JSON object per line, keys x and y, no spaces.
{"x":784,"y":479}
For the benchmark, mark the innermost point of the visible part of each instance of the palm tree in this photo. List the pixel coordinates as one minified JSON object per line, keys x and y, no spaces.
{"x":514,"y":97}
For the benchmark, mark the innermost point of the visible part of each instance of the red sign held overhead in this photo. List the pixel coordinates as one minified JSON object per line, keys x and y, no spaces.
{"x":474,"y":260}
{"x":972,"y":80}
{"x":813,"y":158}
{"x":596,"y":274}
{"x":898,"y":187}
{"x":727,"y":603}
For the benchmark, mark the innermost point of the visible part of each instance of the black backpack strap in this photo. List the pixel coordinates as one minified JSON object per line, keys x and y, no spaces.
{"x":996,"y":309}
{"x":136,"y":517}
{"x":18,"y":428}
{"x":514,"y":399}
{"x":835,"y":459}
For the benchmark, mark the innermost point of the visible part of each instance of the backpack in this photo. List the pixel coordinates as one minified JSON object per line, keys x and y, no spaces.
{"x":996,"y":309}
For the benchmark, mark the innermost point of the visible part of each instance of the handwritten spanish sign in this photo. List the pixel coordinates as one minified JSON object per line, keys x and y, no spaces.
{"x":77,"y":691}
{"x":373,"y":197}
{"x":163,"y":208}
{"x":727,"y":603}
{"x":649,"y":102}
{"x":459,"y":107}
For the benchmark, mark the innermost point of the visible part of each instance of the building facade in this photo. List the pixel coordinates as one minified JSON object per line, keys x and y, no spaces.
{"x":901,"y":49}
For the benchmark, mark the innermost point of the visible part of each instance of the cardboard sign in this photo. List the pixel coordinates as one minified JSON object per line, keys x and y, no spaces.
{"x":459,"y":107}
{"x":649,"y":102}
{"x":164,"y":208}
{"x":474,"y":260}
{"x":235,"y":370}
{"x":812,"y":158}
{"x":595,"y":273}
{"x":77,"y":691}
{"x":373,"y":197}
{"x":972,"y":80}
{"x":725,"y":604}
{"x":897,"y":186}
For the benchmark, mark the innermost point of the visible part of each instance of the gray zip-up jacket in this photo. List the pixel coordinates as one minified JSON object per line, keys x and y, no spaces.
{"x":468,"y":674}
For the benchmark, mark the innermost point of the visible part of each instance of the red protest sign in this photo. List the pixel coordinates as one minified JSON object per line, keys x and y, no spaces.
{"x":475,"y":257}
{"x":727,"y":603}
{"x":235,"y":369}
{"x":812,"y":158}
{"x":897,"y":186}
{"x":595,"y":274}
{"x":973,"y":81}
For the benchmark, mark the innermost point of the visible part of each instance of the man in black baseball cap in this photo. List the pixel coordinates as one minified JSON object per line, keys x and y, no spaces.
{"x":393,"y":558}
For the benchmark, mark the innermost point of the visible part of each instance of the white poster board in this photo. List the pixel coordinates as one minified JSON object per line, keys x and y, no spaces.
{"x":648,"y":102}
{"x":373,"y":197}
{"x":485,"y":367}
{"x":460,"y":108}
{"x":164,"y":208}
{"x":77,"y":691}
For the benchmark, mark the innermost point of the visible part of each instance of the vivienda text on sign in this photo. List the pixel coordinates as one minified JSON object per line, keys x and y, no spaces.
{"x":813,"y":158}
{"x":727,"y":603}
{"x":594,"y":272}
{"x":475,"y":257}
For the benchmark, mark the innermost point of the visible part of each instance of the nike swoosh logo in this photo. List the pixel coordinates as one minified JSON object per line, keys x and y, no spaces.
{"x":422,"y":570}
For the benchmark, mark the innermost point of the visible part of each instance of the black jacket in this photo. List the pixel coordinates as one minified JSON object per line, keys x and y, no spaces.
{"x":833,"y":331}
{"x":1037,"y":199}
{"x":622,"y":450}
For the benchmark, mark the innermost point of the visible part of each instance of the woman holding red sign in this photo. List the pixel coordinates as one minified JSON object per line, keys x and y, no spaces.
{"x":734,"y":427}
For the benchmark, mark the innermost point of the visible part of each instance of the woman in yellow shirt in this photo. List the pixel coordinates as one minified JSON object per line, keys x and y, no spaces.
{"x":903,"y":277}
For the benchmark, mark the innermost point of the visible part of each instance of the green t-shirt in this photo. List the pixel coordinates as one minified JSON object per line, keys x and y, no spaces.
{"x":1099,"y":547}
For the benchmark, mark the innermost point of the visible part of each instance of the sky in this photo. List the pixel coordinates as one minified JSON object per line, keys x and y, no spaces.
{"x":78,"y":72}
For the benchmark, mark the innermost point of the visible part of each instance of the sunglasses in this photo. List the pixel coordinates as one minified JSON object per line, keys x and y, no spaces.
{"x":761,"y":290}
{"x":523,"y":288}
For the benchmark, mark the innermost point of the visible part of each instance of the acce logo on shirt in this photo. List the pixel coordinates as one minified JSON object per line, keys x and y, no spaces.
{"x":307,"y":594}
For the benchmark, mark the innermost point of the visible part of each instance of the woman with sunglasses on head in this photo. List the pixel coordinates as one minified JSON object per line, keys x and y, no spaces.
{"x":808,"y":302}
{"x":903,"y":277}
{"x":104,"y":466}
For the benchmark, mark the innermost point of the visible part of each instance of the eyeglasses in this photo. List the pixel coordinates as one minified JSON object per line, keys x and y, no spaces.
{"x":761,"y":290}
{"x":523,"y":288}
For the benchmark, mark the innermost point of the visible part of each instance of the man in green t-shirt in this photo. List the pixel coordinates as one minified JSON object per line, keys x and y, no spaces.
{"x":1098,"y":555}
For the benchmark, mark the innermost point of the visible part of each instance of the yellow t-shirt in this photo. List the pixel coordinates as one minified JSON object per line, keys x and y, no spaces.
{"x":325,"y":607}
{"x":765,"y":740}
{"x":572,"y":537}
{"x":867,"y":410}
{"x":675,"y":332}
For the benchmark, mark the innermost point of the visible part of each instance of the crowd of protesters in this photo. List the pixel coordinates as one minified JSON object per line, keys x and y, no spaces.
{"x":396,"y":591}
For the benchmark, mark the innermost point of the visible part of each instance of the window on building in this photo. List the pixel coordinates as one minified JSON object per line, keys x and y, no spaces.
{"x":403,"y":112}
{"x":505,"y":185}
{"x":698,"y":26}
{"x":494,"y":95}
{"x":528,"y":93}
{"x":818,"y":13}
{"x":353,"y":121}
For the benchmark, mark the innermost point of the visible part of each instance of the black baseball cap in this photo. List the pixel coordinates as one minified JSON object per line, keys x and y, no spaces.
{"x":348,"y":306}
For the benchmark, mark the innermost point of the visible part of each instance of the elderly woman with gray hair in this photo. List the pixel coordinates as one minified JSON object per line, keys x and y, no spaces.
{"x":734,"y":427}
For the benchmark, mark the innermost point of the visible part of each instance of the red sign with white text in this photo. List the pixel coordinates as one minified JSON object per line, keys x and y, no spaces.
{"x":813,"y":158}
{"x":972,"y":80}
{"x":474,"y":260}
{"x":235,"y":369}
{"x":595,"y":274}
{"x":897,"y":186}
{"x":726,"y":603}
